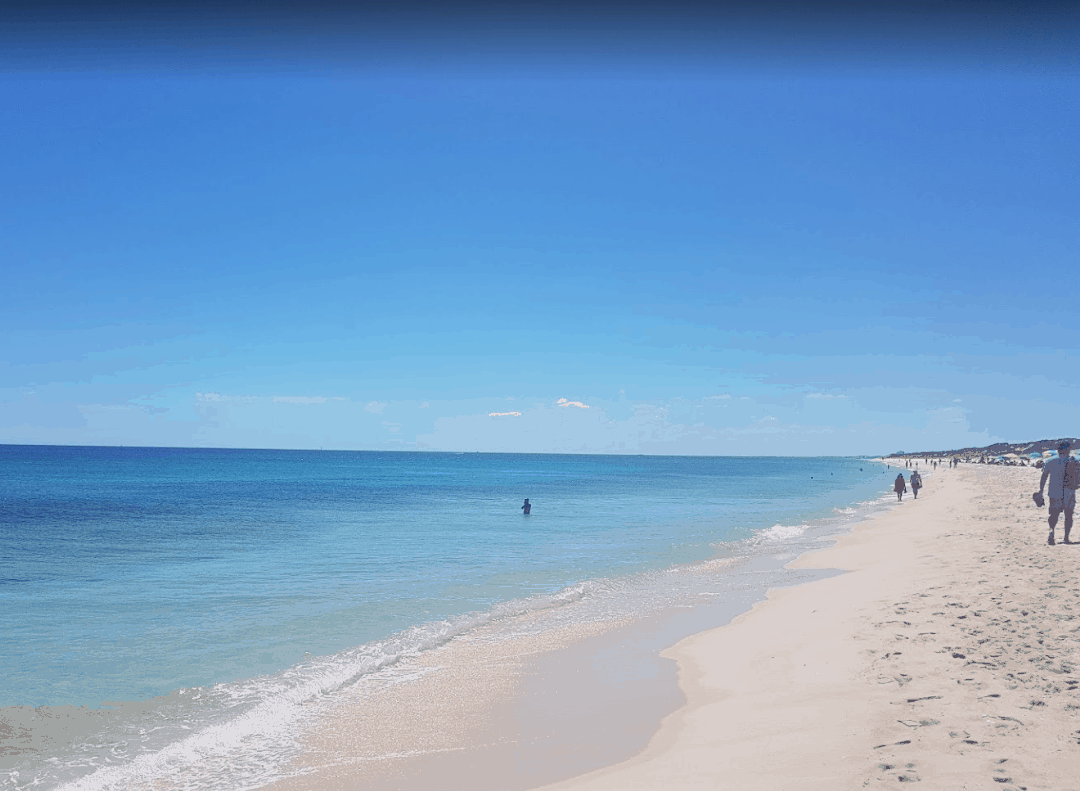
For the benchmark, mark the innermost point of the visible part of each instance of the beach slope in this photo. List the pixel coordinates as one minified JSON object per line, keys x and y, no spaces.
{"x":948,"y":655}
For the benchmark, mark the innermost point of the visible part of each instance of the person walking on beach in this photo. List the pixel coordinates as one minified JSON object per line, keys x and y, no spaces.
{"x":899,"y":486}
{"x":527,"y":507}
{"x":1063,"y":474}
{"x":916,"y":483}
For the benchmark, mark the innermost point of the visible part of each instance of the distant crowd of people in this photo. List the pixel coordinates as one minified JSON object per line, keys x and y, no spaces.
{"x":900,"y":486}
{"x":933,"y":463}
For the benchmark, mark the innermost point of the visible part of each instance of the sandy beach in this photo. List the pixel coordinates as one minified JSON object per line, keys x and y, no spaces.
{"x":946,"y":654}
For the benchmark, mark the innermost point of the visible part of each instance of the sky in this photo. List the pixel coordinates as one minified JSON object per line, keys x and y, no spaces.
{"x":498,"y":228}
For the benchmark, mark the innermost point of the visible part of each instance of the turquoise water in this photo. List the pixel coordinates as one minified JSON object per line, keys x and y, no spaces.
{"x":134,"y":573}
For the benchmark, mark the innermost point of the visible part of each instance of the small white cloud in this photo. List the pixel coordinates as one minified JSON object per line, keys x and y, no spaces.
{"x":504,"y":414}
{"x":825,"y":396}
{"x":221,"y":397}
{"x":956,"y":400}
{"x":425,"y":405}
{"x":578,"y":404}
{"x":299,"y":400}
{"x":375,"y":407}
{"x":393,"y":428}
{"x":721,"y":397}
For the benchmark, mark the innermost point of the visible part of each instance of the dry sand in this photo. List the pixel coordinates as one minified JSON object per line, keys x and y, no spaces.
{"x":947,"y":656}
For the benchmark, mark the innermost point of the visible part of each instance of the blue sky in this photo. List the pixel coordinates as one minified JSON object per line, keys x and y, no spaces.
{"x":634,"y":252}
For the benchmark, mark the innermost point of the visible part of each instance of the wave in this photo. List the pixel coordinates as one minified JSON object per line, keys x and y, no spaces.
{"x":782,"y":532}
{"x":262,"y":713}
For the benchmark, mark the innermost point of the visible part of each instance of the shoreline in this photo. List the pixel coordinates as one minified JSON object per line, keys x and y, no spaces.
{"x":523,"y":713}
{"x":939,"y":642}
{"x":257,"y":731}
{"x":543,"y":707}
{"x":948,"y":654}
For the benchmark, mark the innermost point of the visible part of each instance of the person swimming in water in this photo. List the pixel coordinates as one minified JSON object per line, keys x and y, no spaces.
{"x":527,"y":507}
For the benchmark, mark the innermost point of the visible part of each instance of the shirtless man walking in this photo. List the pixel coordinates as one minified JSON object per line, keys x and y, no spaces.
{"x":1064,"y":476}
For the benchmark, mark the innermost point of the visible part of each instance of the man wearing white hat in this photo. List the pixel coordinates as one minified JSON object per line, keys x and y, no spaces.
{"x":1064,"y":476}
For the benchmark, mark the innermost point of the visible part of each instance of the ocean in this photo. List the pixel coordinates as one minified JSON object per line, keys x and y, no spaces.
{"x":181,"y":615}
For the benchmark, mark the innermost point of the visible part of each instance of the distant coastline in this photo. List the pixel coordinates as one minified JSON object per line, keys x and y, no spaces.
{"x":991,"y":454}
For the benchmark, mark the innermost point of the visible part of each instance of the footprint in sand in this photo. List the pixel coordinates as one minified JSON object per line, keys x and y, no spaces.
{"x":906,"y":774}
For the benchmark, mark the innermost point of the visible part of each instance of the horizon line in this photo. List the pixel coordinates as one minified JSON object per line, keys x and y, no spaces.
{"x":454,"y":452}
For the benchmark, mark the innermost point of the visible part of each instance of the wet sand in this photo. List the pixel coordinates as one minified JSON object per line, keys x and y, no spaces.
{"x":947,"y":654}
{"x":483,"y":714}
